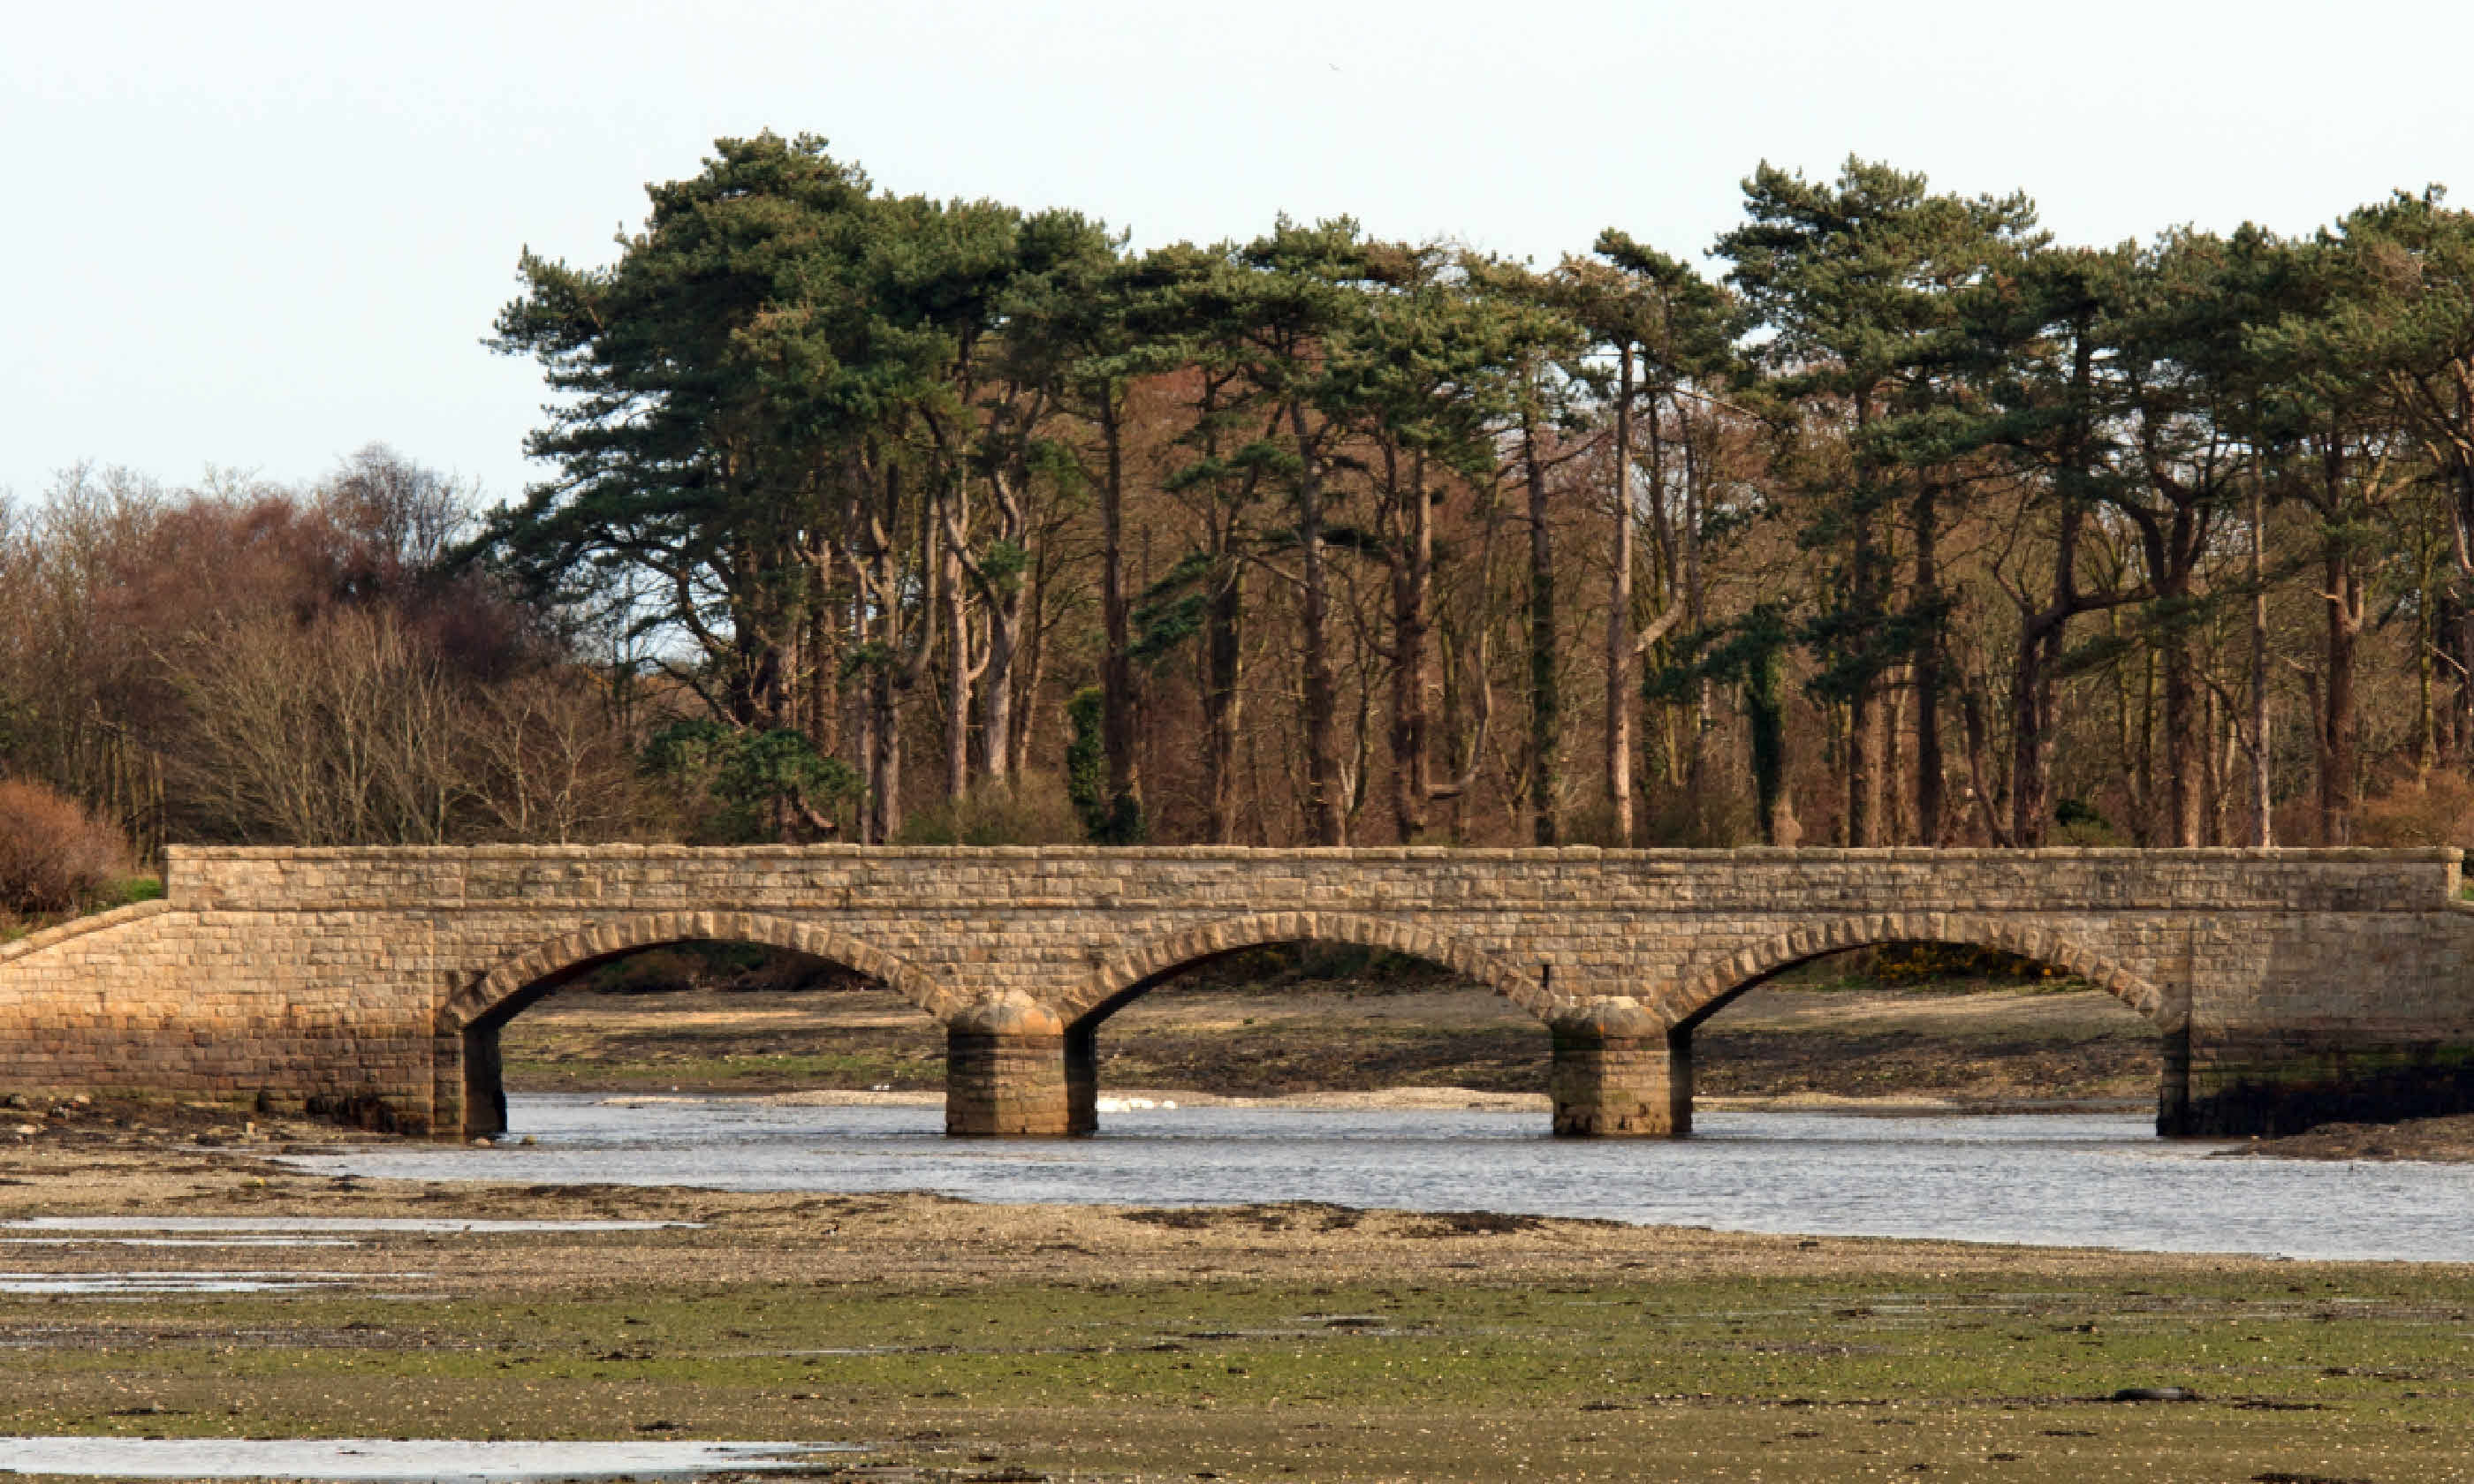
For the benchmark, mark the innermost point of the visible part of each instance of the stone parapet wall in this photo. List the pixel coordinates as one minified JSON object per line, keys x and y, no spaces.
{"x":660,"y":878}
{"x":374,"y":979}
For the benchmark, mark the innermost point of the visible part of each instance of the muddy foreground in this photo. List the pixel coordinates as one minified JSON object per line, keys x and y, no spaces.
{"x":1278,"y":1342}
{"x":1261,"y":1343}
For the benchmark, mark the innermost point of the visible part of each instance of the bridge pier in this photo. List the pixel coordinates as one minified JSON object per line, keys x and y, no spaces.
{"x":1621,"y":1071}
{"x":1006,"y":1071}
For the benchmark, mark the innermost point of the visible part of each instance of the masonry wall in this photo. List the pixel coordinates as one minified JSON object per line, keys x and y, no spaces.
{"x":352,"y":978}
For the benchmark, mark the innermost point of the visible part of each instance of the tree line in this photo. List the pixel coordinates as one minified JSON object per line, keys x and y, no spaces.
{"x":882,"y":518}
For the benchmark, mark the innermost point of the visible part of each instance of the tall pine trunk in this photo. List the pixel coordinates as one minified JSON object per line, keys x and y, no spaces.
{"x":2338,"y":724}
{"x":1619,"y":637}
{"x":996,"y":684}
{"x":957,"y":679}
{"x":1116,"y":663}
{"x":1866,"y":742}
{"x":2183,"y":764}
{"x":1326,"y":810}
{"x":1412,"y":627}
{"x":1222,"y":704}
{"x":1931,"y":771}
{"x":1545,"y":694}
{"x":2034,"y":726}
{"x":2263,"y":819}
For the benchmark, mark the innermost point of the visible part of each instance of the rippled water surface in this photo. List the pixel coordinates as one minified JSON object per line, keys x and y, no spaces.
{"x":2074,"y":1180}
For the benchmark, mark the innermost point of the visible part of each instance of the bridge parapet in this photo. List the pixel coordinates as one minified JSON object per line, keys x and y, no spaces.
{"x":656,"y":876}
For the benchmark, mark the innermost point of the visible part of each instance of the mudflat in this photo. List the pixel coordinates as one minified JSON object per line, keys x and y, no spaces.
{"x":1122,"y":1343}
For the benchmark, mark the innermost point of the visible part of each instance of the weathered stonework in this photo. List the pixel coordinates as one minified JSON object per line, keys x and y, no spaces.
{"x":2285,"y":986}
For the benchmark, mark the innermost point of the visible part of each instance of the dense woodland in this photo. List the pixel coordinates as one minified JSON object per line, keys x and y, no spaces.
{"x":1885,"y":520}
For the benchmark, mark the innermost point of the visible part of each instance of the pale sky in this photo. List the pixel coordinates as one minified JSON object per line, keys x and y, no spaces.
{"x":259,"y":235}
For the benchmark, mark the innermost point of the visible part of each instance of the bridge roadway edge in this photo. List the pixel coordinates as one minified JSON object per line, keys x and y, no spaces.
{"x":2289,"y":986}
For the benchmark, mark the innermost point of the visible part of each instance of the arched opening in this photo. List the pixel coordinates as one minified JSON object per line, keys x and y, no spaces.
{"x":1949,"y":1020}
{"x":1341,"y":1010}
{"x":758,"y":1007}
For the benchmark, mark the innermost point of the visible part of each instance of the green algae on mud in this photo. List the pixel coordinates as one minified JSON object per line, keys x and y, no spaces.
{"x":2344,"y":1371}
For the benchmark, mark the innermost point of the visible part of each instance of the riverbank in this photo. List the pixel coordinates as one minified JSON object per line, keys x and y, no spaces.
{"x":1262,"y":1342}
{"x":2438,"y":1140}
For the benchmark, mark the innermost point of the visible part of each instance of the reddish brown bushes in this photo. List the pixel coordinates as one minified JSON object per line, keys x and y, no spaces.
{"x":54,"y":856}
{"x":2436,"y":810}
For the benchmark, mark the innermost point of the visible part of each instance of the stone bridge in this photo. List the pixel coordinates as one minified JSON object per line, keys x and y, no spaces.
{"x":2285,"y":987}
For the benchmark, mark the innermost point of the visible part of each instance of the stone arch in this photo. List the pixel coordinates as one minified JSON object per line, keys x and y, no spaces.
{"x":468,"y":1096}
{"x":1702,"y":995}
{"x":1119,"y":980}
{"x":499,"y":988}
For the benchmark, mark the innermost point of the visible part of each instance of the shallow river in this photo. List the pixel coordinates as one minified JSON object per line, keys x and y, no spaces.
{"x":2073,"y":1179}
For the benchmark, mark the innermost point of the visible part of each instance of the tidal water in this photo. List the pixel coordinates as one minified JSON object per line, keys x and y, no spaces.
{"x":2055,"y":1180}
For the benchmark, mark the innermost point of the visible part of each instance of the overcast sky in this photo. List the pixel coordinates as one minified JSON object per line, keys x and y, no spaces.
{"x":260,"y":235}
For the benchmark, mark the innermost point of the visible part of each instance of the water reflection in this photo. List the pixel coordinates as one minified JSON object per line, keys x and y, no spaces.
{"x":2071,"y":1180}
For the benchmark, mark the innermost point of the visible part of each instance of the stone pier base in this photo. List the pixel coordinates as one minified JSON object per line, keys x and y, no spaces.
{"x":1621,"y":1071}
{"x":1005,"y":1071}
{"x":2267,"y":1083}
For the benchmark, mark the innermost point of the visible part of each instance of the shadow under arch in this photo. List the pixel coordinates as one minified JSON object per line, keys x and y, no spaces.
{"x":471,"y":1094}
{"x":1141,"y":969}
{"x":1127,"y":977}
{"x":1704,"y":996}
{"x":1699,"y":997}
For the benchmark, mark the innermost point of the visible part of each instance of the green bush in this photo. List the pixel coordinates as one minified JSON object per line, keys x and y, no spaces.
{"x":736,"y":787}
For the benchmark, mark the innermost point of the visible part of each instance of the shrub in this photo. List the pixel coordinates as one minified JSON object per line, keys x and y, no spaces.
{"x":1106,"y":820}
{"x":2434,"y":810}
{"x":54,"y":856}
{"x":1029,"y":809}
{"x":1924,"y":962}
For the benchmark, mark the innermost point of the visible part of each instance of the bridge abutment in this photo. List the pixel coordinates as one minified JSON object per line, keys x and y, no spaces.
{"x":1621,"y":1071}
{"x":1006,"y":1071}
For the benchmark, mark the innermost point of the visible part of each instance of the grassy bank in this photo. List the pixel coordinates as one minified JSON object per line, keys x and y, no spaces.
{"x":1599,"y":1377}
{"x":125,"y":892}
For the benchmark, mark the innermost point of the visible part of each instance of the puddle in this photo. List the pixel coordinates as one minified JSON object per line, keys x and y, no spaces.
{"x":323,"y":1224}
{"x":235,"y":1240}
{"x":449,"y":1461}
{"x":120,"y":1284}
